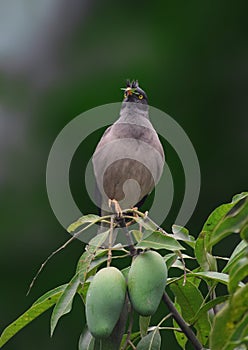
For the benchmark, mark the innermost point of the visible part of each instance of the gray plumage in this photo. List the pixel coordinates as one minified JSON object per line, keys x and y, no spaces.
{"x":129,"y":158}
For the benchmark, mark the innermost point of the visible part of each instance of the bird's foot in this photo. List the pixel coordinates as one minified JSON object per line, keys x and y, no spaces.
{"x":114,"y":204}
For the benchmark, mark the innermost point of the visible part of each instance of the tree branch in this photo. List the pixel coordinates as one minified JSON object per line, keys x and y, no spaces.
{"x":182,"y":324}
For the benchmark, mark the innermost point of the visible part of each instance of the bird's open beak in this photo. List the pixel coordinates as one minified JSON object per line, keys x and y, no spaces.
{"x":129,"y":91}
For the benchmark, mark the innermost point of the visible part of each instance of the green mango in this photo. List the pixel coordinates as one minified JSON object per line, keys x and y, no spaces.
{"x":146,"y":282}
{"x":104,"y":301}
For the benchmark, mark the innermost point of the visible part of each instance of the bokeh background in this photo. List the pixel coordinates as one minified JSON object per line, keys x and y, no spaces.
{"x":59,"y":58}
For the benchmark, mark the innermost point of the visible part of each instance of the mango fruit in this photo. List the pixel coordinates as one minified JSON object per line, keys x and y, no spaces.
{"x":104,"y":301}
{"x":146,"y":282}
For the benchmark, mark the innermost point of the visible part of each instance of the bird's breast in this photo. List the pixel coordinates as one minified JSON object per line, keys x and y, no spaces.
{"x":128,"y":162}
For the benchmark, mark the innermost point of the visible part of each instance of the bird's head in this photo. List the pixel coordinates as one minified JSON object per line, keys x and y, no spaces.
{"x":133,"y":93}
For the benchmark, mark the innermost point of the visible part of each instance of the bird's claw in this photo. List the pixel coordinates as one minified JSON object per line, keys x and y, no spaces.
{"x":114,"y":203}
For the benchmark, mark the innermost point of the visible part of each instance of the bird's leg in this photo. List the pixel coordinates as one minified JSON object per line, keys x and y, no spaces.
{"x":117,"y":208}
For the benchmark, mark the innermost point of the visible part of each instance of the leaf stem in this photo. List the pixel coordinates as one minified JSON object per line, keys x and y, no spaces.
{"x":182,"y":324}
{"x":164,"y":319}
{"x":131,"y":344}
{"x":110,"y":242}
{"x":171,"y":329}
{"x":184,"y":267}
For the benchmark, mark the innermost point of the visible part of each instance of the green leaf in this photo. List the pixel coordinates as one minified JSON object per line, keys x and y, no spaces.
{"x":239,"y":252}
{"x":97,"y":254}
{"x":229,"y":319}
{"x":50,"y":293}
{"x":92,"y":264}
{"x":137,"y":235}
{"x":144,"y":322}
{"x":158,"y":240}
{"x":86,"y":219}
{"x":204,"y":258}
{"x":180,"y":336}
{"x":84,"y":265}
{"x":63,"y":305}
{"x":238,"y":273}
{"x":170,"y":259}
{"x":133,"y":337}
{"x":240,"y":336}
{"x":240,"y":347}
{"x":186,"y":256}
{"x":214,"y":276}
{"x":244,"y":233}
{"x":220,"y":212}
{"x":217,"y":277}
{"x":40,"y":306}
{"x":239,"y":196}
{"x":86,"y":341}
{"x":232,"y":222}
{"x":89,"y":263}
{"x":201,"y":252}
{"x":147,"y":223}
{"x":179,"y":265}
{"x":82,"y":290}
{"x":92,"y":251}
{"x":225,"y":219}
{"x":190,"y":300}
{"x":97,"y":241}
{"x":216,"y":216}
{"x":125,"y":271}
{"x":152,"y":341}
{"x":192,"y":278}
{"x":209,"y":305}
{"x":181,"y":233}
{"x":96,"y":262}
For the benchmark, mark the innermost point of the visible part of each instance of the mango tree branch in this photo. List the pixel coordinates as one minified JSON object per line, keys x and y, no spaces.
{"x":182,"y":324}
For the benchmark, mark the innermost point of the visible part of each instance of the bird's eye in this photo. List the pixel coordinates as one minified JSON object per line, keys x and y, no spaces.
{"x":140,"y":97}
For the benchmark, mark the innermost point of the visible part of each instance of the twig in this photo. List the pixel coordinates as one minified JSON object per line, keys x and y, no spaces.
{"x":110,"y":242}
{"x":184,"y":267}
{"x":76,"y":235}
{"x":182,"y":324}
{"x":131,"y":247}
{"x":131,"y":344}
{"x":164,"y":319}
{"x":46,"y":261}
{"x":212,"y":297}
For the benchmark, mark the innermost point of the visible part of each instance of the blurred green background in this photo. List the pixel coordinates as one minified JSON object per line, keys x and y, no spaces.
{"x":60,"y":58}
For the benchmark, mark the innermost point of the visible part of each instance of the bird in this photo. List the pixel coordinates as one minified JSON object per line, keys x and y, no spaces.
{"x":129,"y":158}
